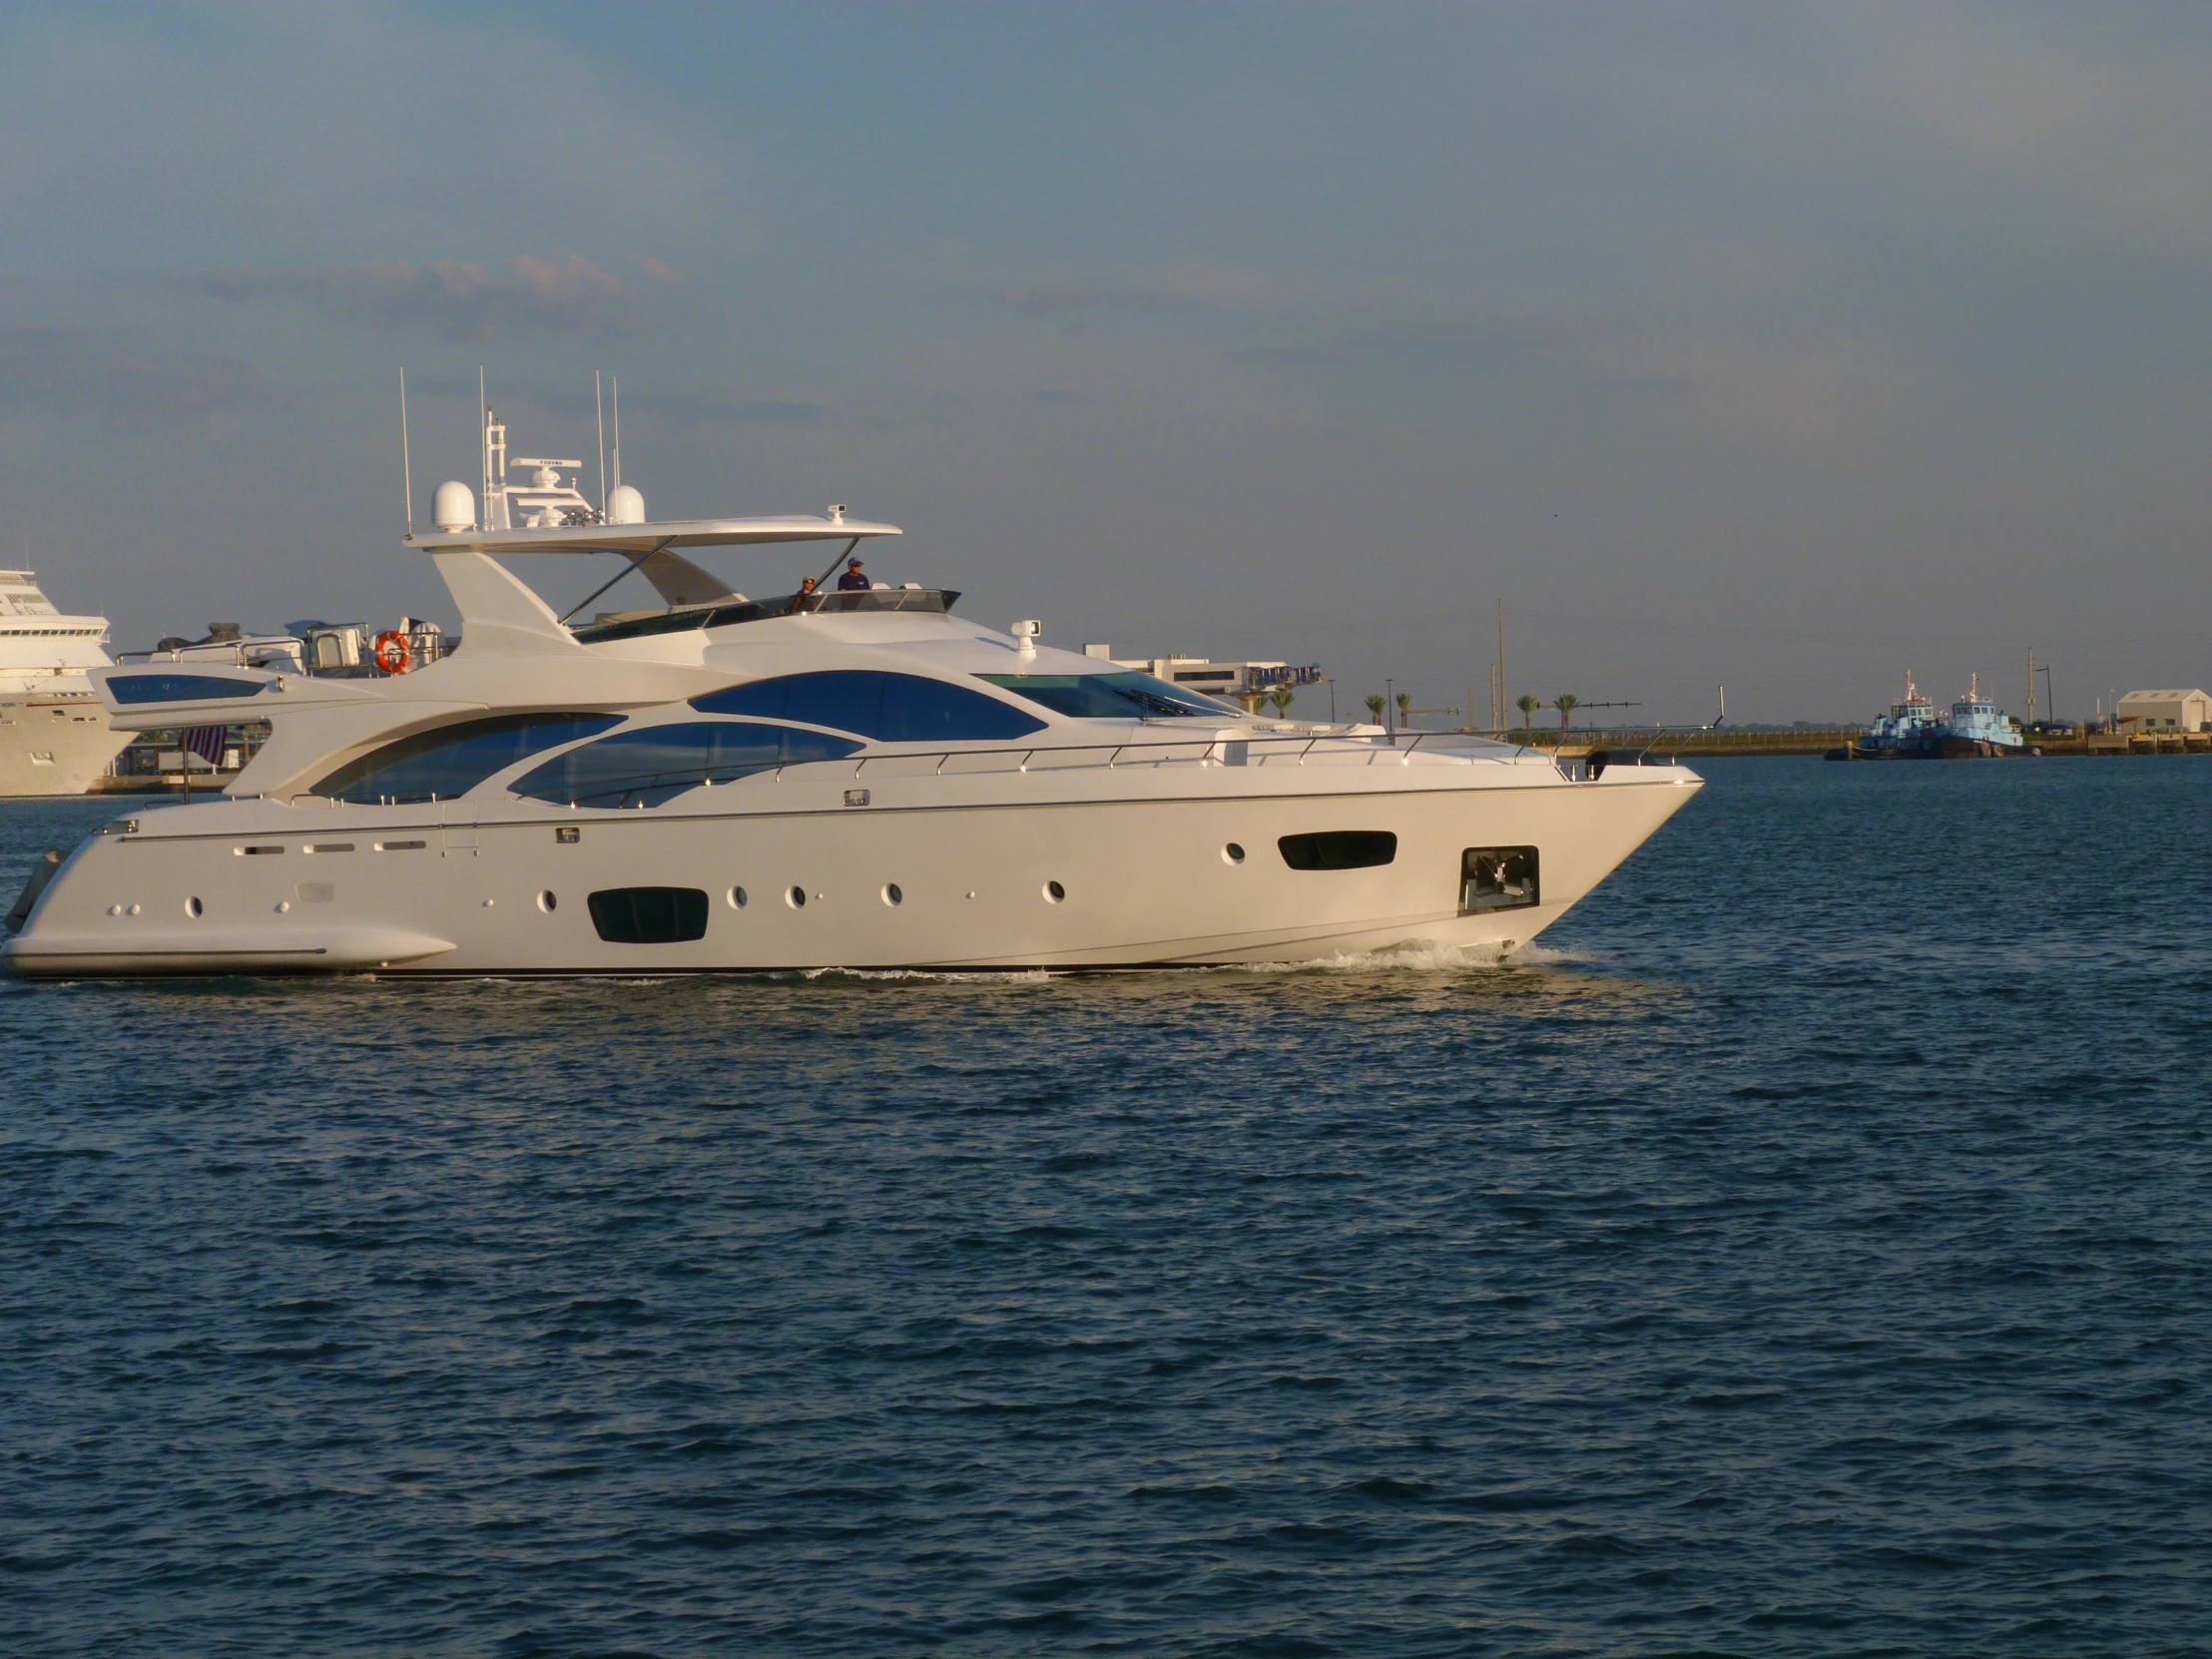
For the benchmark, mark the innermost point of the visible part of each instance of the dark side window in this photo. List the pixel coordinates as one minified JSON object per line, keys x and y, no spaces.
{"x":649,"y":915}
{"x":449,"y":760}
{"x":1125,"y":696}
{"x":652,"y":763}
{"x":891,"y":708}
{"x":1339,"y":849}
{"x":178,"y":688}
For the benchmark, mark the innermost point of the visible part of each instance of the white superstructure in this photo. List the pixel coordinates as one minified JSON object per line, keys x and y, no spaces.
{"x":852,"y":778}
{"x":54,"y":734}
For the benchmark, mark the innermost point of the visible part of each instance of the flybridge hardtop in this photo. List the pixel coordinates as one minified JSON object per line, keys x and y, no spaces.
{"x":543,"y":513}
{"x":851,"y":778}
{"x":645,"y":538}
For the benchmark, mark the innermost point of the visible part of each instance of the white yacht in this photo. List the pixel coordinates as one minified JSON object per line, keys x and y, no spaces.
{"x":54,"y":734}
{"x":851,"y":778}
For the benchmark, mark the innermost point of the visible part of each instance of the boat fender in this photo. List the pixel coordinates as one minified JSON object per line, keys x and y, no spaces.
{"x":392,"y":652}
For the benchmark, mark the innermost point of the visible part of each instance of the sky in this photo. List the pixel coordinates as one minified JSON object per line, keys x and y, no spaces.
{"x":1786,"y":348}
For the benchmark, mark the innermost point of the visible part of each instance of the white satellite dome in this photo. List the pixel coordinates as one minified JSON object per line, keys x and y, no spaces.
{"x":625,"y":506}
{"x":454,"y":506}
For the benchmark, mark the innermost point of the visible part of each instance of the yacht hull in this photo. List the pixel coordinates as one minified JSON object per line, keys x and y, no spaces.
{"x":54,"y":746}
{"x":792,"y":877}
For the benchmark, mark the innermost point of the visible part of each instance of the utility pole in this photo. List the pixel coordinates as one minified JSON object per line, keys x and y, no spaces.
{"x":1500,"y":666}
{"x":2031,"y":685}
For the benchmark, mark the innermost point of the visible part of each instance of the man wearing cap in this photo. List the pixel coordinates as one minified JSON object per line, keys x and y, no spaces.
{"x":852,"y":581}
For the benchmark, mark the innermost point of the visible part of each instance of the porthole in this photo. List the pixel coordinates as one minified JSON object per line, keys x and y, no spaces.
{"x":737,"y":899}
{"x":548,"y":902}
{"x":1232,"y":853}
{"x":1054,"y":892}
{"x":796,"y":898}
{"x":193,"y":907}
{"x":891,"y":896}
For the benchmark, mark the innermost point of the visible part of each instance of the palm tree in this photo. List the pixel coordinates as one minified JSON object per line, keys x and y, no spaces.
{"x":1527,"y":705}
{"x":1281,"y":698}
{"x":1565,"y":702}
{"x":1404,"y":708}
{"x":1375,"y":705}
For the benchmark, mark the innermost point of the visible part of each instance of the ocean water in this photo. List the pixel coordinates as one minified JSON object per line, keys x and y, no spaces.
{"x":1803,"y":1251}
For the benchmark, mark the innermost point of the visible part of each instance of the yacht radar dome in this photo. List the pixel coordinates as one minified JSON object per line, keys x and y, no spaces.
{"x":625,"y":506}
{"x":454,"y":506}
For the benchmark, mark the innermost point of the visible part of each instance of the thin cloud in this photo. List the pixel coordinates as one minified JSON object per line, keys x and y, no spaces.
{"x":1479,"y":348}
{"x":80,"y":374}
{"x":1186,"y":286}
{"x":684,"y":409}
{"x":465,"y":301}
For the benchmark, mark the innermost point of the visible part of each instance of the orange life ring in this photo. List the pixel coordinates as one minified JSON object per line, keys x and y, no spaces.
{"x":392,"y":652}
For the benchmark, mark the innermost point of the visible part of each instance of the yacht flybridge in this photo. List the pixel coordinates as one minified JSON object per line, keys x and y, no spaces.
{"x":850,"y":778}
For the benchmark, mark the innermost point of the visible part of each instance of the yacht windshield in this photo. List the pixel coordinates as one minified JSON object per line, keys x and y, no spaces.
{"x":1125,"y":696}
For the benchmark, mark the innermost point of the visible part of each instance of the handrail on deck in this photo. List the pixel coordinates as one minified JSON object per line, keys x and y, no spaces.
{"x":1211,"y":747}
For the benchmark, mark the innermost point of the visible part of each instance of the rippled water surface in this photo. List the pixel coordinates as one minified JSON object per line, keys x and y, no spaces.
{"x":1804,"y":1251}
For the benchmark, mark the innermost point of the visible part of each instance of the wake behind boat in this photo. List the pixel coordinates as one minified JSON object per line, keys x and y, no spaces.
{"x":853,"y":778}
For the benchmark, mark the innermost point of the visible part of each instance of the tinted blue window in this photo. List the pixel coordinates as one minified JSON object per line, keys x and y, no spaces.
{"x":178,"y":688}
{"x":449,"y":760}
{"x":652,"y":763}
{"x":891,"y":708}
{"x":1128,"y":696}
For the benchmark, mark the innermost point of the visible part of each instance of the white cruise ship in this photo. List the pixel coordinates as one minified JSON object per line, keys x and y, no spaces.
{"x":850,"y":778}
{"x":54,"y":734}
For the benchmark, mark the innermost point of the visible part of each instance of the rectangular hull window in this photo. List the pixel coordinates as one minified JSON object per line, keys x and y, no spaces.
{"x":1340,"y":850}
{"x":1496,"y":878}
{"x":649,"y":915}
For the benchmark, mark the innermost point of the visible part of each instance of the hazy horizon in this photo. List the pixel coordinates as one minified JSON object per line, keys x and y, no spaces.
{"x":1791,"y":350}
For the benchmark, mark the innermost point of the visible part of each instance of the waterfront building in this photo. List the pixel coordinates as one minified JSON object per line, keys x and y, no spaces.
{"x":1245,"y":682}
{"x":2165,"y":710}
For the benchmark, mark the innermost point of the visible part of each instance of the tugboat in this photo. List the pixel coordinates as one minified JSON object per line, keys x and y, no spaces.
{"x":1908,"y":729}
{"x":1978,"y":728}
{"x":1914,"y":731}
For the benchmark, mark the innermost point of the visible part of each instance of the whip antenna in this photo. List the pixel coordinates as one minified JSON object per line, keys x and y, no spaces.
{"x":600,"y":410}
{"x":407,"y":461}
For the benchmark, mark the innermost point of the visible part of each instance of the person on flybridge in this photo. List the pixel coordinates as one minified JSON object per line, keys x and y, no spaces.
{"x":854,"y":579}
